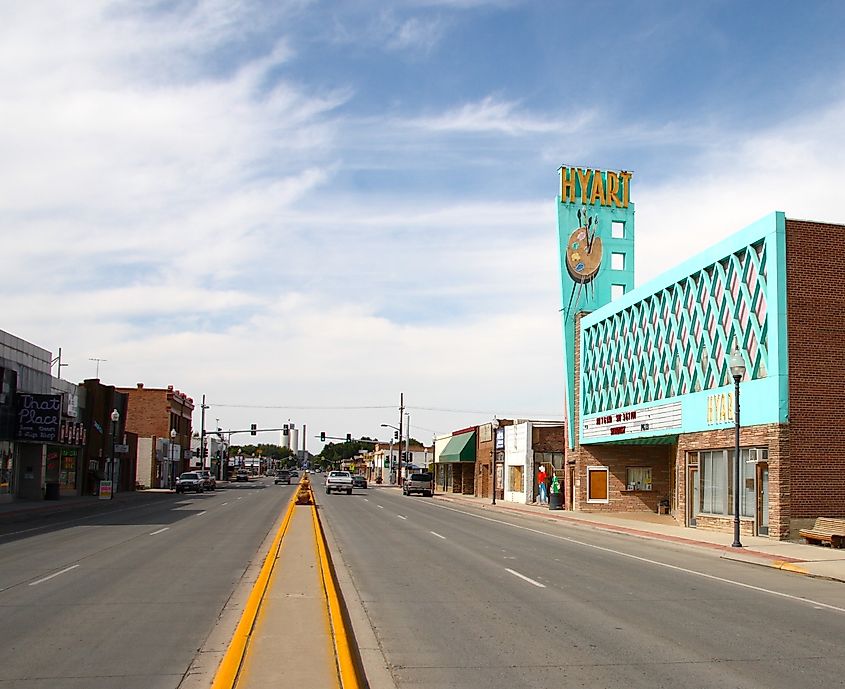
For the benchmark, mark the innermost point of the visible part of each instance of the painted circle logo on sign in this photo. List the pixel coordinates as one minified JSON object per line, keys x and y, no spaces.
{"x":583,"y":255}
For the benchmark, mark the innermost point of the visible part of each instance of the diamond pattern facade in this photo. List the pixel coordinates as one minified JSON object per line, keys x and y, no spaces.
{"x":677,"y":341}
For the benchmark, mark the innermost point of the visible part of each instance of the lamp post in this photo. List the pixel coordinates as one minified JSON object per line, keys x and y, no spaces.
{"x":737,"y":366}
{"x":495,"y":428}
{"x":172,"y":458}
{"x":115,"y":417}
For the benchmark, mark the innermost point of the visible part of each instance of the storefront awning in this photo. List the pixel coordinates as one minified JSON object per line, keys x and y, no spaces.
{"x":460,"y":448}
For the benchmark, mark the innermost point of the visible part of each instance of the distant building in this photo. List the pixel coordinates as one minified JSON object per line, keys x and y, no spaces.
{"x":153,"y":413}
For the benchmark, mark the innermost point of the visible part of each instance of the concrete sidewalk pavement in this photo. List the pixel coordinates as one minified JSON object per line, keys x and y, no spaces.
{"x":811,"y":560}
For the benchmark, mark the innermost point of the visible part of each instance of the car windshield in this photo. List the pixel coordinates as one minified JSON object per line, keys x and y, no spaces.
{"x":420,"y":477}
{"x":189,"y":476}
{"x":339,"y":473}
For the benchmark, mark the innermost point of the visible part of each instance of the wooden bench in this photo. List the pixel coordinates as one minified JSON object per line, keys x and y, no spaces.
{"x":826,"y":530}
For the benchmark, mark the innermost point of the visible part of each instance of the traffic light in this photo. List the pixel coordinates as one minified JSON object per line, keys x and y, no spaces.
{"x":252,"y":429}
{"x":322,"y":436}
{"x":396,"y":435}
{"x":404,"y":457}
{"x":285,"y":430}
{"x":348,"y":437}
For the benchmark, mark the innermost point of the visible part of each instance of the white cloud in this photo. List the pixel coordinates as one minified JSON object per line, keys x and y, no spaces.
{"x":498,"y":116}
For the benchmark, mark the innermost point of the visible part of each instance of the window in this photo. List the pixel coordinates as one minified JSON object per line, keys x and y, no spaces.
{"x":617,"y":261}
{"x":638,"y":478}
{"x":616,"y":291}
{"x":515,"y":479}
{"x":716,"y":481}
{"x":617,"y":230}
{"x":597,"y":484}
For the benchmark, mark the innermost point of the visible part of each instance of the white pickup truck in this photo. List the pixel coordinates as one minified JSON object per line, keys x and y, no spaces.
{"x":339,"y":481}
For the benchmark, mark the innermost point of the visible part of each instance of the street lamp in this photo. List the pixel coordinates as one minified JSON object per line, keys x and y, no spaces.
{"x":395,"y":428}
{"x":737,"y":366}
{"x":115,"y":417}
{"x":172,"y":458}
{"x":495,"y":427}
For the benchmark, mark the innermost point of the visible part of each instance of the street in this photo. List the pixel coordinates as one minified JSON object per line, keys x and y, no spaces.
{"x":465,"y":597}
{"x":125,"y":597}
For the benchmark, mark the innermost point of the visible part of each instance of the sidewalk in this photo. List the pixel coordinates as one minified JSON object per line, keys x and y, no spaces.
{"x":811,"y":560}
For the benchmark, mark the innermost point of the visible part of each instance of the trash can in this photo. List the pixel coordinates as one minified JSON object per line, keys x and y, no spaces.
{"x":51,"y":490}
{"x":556,"y":501}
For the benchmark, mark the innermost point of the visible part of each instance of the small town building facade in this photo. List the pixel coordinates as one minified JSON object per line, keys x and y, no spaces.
{"x":652,"y":395}
{"x":161,"y":418}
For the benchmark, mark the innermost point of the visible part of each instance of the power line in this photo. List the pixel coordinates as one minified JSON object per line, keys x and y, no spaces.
{"x":296,"y":406}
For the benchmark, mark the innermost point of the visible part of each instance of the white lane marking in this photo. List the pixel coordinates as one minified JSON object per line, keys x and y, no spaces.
{"x":55,"y":574}
{"x":160,"y":531}
{"x":437,"y":534}
{"x":225,"y":503}
{"x":401,"y":517}
{"x":199,"y":514}
{"x":525,"y":578}
{"x":366,"y":499}
{"x":676,"y":568}
{"x":239,"y":497}
{"x":381,"y":507}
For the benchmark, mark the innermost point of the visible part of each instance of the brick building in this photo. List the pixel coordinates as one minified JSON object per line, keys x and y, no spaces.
{"x":653,"y":391}
{"x":161,"y":418}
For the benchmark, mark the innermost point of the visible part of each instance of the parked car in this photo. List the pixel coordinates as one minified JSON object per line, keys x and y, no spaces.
{"x":419,"y":483}
{"x":208,"y":481}
{"x":359,"y":481}
{"x":282,"y":476}
{"x":190,"y":480}
{"x":242,"y":475}
{"x":339,"y":481}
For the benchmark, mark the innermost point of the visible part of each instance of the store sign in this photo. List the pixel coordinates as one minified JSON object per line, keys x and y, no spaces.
{"x":71,"y":433}
{"x":39,"y":417}
{"x":660,"y":417}
{"x":588,"y":186}
{"x":720,"y":408}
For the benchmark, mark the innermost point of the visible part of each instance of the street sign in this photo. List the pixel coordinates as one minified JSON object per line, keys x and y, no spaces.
{"x":121,"y":448}
{"x":105,"y":490}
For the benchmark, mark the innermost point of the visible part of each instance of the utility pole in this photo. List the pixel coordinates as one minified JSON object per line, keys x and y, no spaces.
{"x":203,"y":406}
{"x":59,"y":360}
{"x":401,"y":418}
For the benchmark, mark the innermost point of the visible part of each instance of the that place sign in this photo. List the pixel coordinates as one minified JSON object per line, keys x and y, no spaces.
{"x":39,"y":417}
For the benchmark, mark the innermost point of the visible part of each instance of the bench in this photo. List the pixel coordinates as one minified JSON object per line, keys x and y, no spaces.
{"x":826,"y":530}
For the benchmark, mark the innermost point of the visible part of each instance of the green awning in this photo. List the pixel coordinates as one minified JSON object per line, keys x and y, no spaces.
{"x":460,"y":448}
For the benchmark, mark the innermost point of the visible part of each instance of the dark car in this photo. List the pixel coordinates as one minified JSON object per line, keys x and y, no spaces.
{"x":208,"y":481}
{"x":242,"y":475}
{"x":282,"y":476}
{"x":190,"y":480}
{"x":294,"y":473}
{"x":359,"y":481}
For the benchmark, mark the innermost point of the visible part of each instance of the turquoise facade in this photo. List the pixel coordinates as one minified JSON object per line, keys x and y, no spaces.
{"x":664,"y":346}
{"x":591,"y":209}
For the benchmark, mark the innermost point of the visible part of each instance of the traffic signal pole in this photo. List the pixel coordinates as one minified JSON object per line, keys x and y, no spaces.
{"x":401,"y":416}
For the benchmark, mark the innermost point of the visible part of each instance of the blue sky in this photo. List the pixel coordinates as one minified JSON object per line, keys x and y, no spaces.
{"x":301,"y":205}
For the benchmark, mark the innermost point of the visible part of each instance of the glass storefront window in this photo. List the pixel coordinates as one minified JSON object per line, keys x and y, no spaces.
{"x":716,"y":481}
{"x":7,"y":465}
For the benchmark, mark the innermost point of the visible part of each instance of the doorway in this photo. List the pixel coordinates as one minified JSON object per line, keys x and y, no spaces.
{"x":762,"y":515}
{"x":693,"y":493}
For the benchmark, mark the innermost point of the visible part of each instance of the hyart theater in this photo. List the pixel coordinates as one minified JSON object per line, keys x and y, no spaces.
{"x":652,"y":373}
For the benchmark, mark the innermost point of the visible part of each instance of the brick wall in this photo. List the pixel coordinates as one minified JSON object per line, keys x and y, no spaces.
{"x":815,"y":300}
{"x":483,"y":469}
{"x":772,"y":437}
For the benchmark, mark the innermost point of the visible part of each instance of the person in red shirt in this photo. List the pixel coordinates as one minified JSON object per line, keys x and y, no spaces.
{"x":543,"y":496}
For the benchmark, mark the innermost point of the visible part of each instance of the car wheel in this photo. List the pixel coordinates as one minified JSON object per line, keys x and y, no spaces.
{"x":328,"y":492}
{"x":349,"y":491}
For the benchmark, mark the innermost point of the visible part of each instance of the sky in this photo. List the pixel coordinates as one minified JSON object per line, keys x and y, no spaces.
{"x":302,"y":209}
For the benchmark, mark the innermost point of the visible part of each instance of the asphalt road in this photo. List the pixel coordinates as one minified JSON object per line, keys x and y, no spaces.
{"x":476,"y":598}
{"x":124,"y":598}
